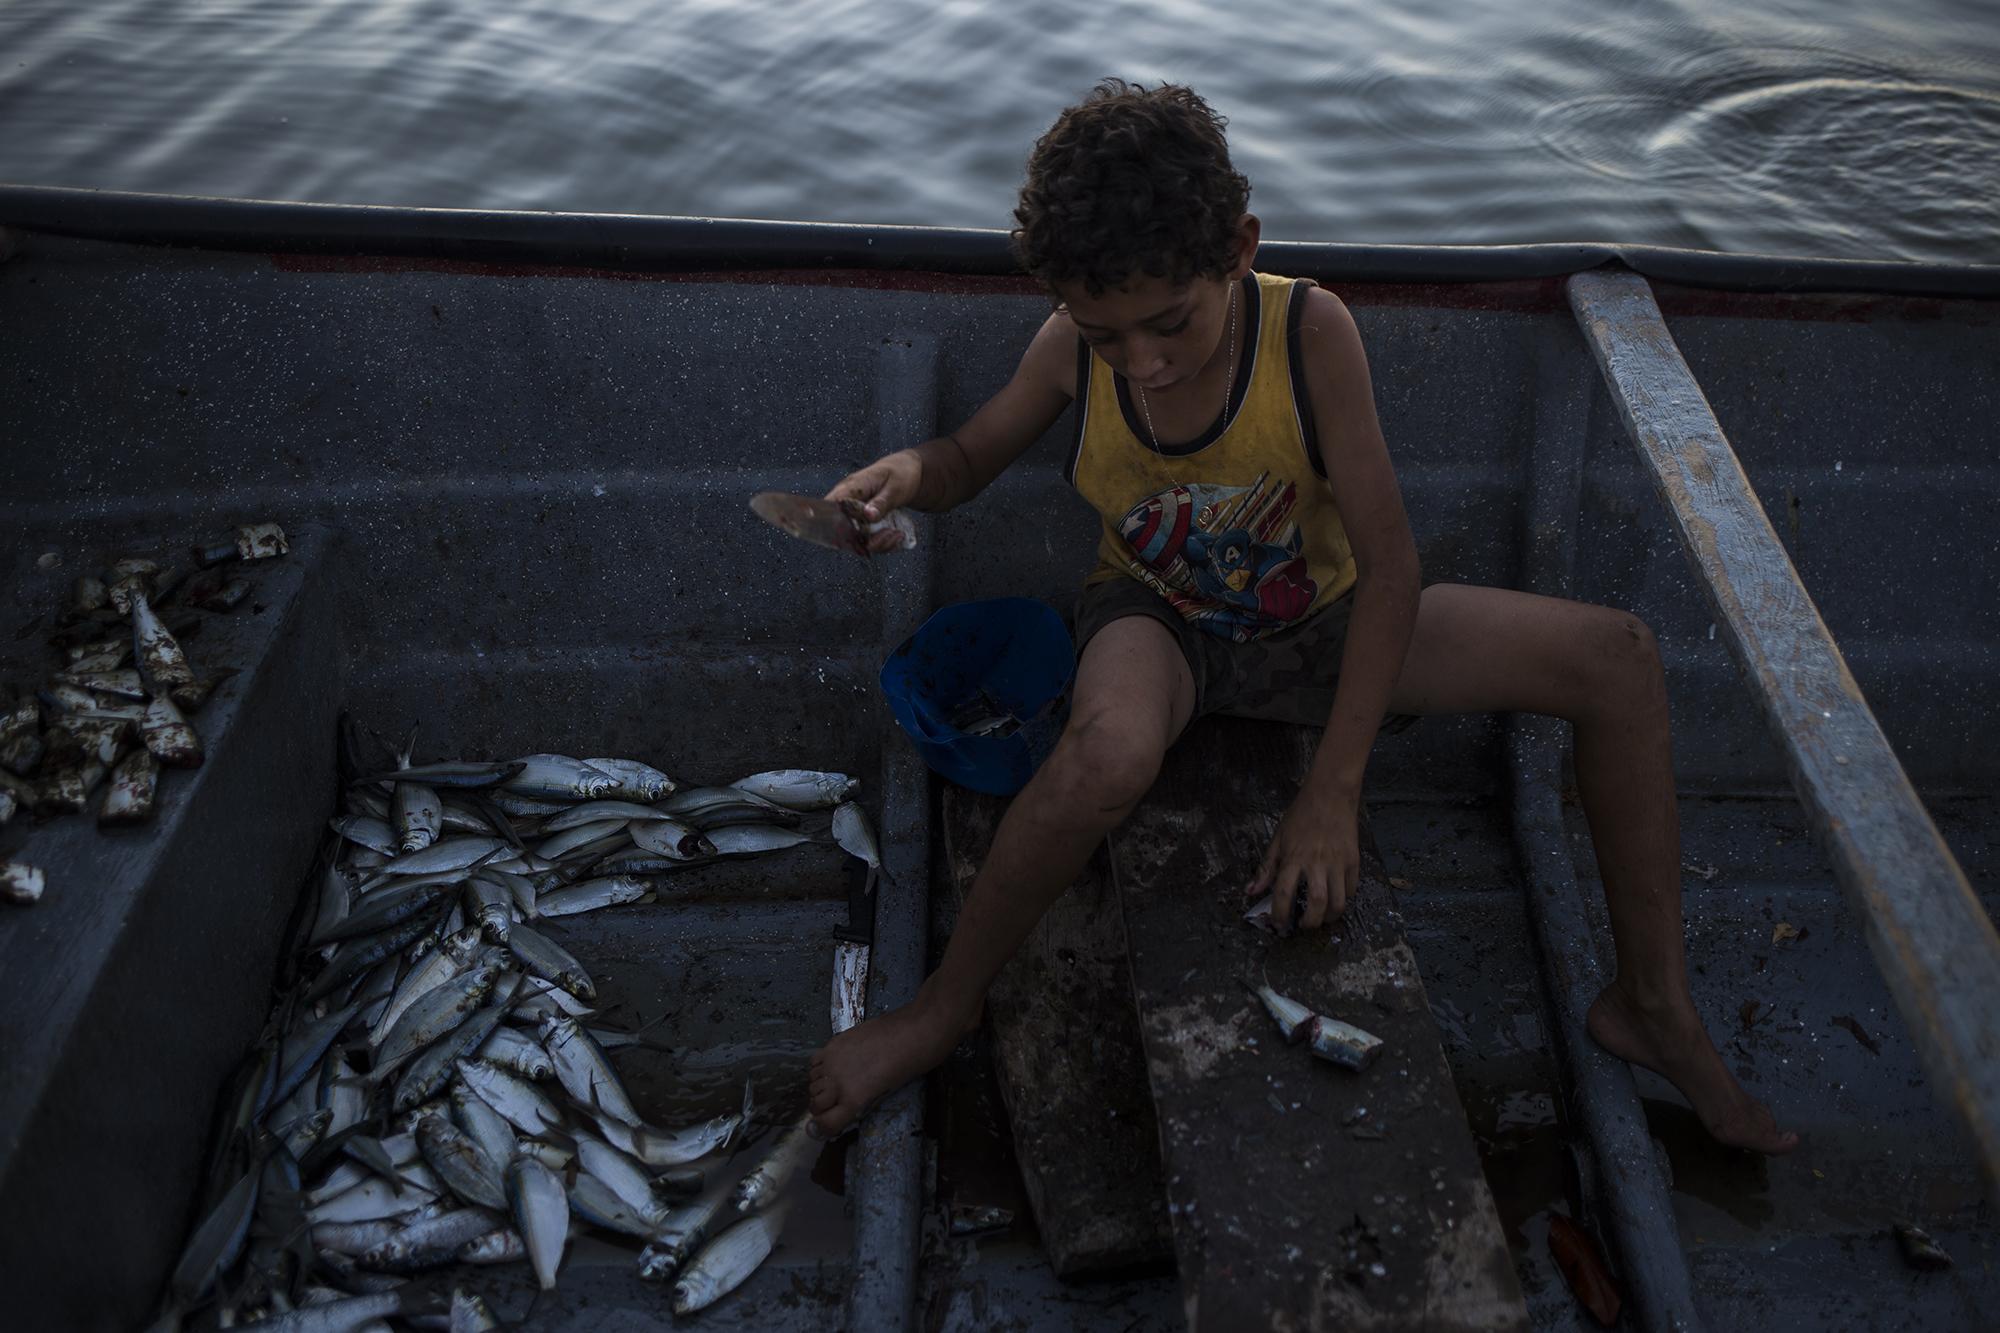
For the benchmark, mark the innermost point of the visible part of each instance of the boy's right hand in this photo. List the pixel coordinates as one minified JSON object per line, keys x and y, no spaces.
{"x":884,"y":486}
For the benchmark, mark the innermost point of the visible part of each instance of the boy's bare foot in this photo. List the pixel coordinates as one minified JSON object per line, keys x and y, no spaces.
{"x":871,"y":1060}
{"x":1671,"y":1042}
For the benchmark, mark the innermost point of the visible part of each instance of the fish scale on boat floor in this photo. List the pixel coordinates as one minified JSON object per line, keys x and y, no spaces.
{"x":431,"y":1090}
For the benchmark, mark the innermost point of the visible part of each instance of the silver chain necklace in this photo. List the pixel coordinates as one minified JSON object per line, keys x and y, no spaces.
{"x":1228,"y":383}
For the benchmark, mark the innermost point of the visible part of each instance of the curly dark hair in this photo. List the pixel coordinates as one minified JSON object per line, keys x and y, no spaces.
{"x":1130,"y":179}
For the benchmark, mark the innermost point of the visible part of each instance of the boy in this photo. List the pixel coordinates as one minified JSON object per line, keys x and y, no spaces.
{"x":1255,"y":559}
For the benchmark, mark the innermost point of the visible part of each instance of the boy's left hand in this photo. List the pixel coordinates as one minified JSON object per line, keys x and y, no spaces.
{"x":1315,"y":852}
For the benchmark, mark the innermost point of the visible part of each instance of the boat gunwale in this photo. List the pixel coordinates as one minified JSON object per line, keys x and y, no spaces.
{"x":662,"y":243}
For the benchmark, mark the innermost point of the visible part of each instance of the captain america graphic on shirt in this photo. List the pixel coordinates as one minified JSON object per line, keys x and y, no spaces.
{"x":1225,"y":557}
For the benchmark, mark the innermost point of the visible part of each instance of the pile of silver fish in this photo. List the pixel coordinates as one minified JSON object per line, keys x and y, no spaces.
{"x":117,"y":703}
{"x":432,"y":1089}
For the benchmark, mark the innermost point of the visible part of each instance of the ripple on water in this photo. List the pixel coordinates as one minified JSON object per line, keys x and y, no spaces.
{"x":1791,"y":138}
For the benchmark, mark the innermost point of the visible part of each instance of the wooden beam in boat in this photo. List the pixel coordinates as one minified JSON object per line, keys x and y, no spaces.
{"x":1071,"y":1071}
{"x":1303,"y":1195}
{"x":1935,"y":945}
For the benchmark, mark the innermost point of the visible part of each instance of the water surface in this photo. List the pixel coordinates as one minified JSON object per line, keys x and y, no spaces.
{"x":1831,"y":128}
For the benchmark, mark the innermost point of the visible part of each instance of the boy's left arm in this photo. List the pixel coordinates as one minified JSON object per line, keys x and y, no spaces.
{"x":1316,"y":849}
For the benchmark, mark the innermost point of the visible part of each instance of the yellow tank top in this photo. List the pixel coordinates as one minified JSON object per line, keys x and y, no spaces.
{"x":1237,"y":528}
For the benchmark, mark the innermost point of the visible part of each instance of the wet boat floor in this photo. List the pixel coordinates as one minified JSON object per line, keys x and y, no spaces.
{"x":1803,"y":1242}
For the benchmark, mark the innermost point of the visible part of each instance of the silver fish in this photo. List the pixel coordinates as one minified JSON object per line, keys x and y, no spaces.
{"x":525,"y":807}
{"x":541,"y":1212}
{"x":345,"y":1094}
{"x":636,"y":781}
{"x":799,"y":788}
{"x":490,"y":906}
{"x":159,"y":655}
{"x":657,"y":1148}
{"x":469,"y":1314}
{"x":365,"y":831}
{"x":463,"y":1167}
{"x":544,"y":959}
{"x":591,"y":812}
{"x":416,"y":815}
{"x":430,"y":1072}
{"x":752,"y":839}
{"x":728,"y":1261}
{"x":544,"y":998}
{"x":432,"y":1015}
{"x":623,"y":1174}
{"x":593,"y":1200}
{"x":360,"y":1237}
{"x":591,"y":894}
{"x":671,"y":838}
{"x":559,"y":777}
{"x":483,"y":1125}
{"x":585,"y":1072}
{"x":460,"y":816}
{"x":458,"y":774}
{"x":504,"y":1246}
{"x":441,"y":857}
{"x":793,"y":1150}
{"x":716,"y":807}
{"x":1343,"y":1043}
{"x":1293,"y":1019}
{"x":524,"y":1107}
{"x":10,"y":804}
{"x":349,"y":1314}
{"x":433,"y":1242}
{"x":856,"y":838}
{"x":551,"y":1155}
{"x":517,"y":1052}
{"x":520,"y":886}
{"x":134,"y":783}
{"x":682,"y":1232}
{"x":577,"y":836}
{"x":372,"y":1199}
{"x":453,"y":955}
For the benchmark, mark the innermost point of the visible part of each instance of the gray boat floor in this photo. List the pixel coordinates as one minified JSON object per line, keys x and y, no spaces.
{"x":1799,"y":1243}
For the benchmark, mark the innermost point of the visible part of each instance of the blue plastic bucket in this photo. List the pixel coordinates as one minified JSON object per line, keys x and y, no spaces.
{"x":983,"y":690}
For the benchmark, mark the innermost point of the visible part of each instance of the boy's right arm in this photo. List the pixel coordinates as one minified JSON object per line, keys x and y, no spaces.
{"x":949,"y":470}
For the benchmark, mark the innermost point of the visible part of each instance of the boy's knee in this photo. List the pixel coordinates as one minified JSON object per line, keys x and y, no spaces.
{"x":1628,"y":656}
{"x":1105,"y":763}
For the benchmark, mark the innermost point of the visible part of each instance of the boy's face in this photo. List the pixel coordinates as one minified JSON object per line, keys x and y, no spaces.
{"x":1157,"y":333}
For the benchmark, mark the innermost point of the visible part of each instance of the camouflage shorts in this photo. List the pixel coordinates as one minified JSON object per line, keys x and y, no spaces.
{"x":1288,"y":676}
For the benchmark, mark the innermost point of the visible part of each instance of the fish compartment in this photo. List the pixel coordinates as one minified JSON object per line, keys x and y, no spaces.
{"x":144,"y":976}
